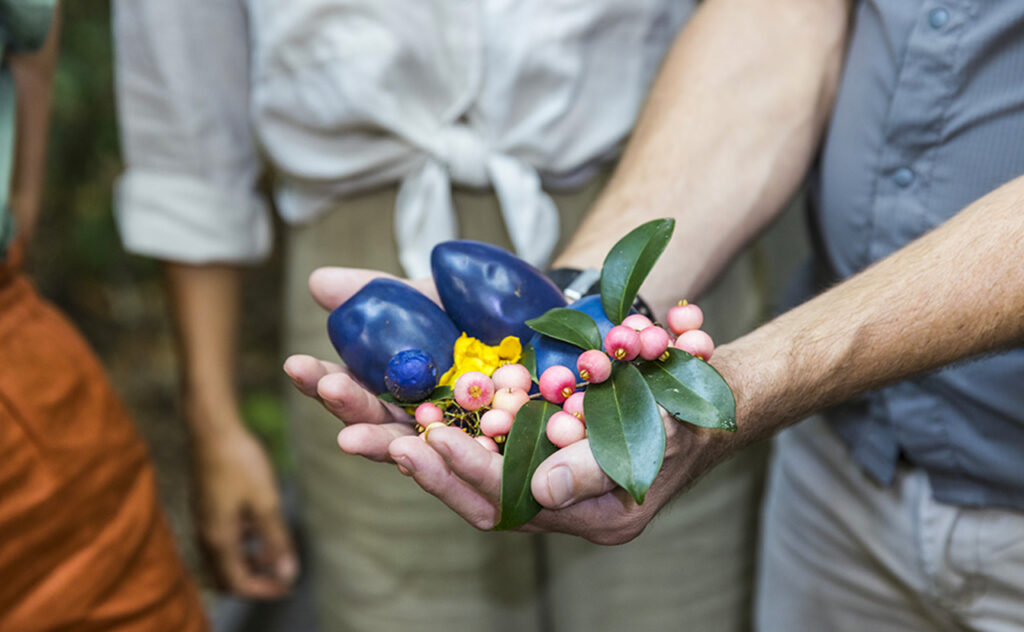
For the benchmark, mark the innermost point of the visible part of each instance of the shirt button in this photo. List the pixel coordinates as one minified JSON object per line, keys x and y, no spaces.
{"x":903,"y":177}
{"x":938,"y":18}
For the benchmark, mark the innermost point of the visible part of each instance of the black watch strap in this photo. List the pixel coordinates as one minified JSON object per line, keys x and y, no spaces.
{"x":576,"y":284}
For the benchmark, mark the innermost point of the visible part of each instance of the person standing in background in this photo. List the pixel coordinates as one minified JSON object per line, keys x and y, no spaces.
{"x":84,"y":544}
{"x":388,"y":127}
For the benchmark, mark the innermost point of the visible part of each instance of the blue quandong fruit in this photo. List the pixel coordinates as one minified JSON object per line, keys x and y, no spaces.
{"x":386,"y":317}
{"x":411,"y":375}
{"x":489,"y":292}
{"x":550,"y":352}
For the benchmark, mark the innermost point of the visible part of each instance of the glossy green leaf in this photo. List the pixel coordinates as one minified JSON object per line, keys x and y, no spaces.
{"x":526,"y":447}
{"x":691,"y":390}
{"x":628,"y":264}
{"x":568,"y":325}
{"x":625,"y":429}
{"x":529,"y":360}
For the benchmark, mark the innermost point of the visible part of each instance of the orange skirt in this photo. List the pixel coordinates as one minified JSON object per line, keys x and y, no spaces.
{"x":84,"y":544}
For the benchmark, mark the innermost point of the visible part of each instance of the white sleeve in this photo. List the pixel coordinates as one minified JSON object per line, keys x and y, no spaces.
{"x":190,"y":190}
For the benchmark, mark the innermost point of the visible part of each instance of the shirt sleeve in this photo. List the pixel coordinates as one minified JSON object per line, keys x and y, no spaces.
{"x":190,"y":189}
{"x":25,"y":23}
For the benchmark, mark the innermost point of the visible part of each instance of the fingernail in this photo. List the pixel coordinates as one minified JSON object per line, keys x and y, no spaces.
{"x":287,"y":569}
{"x":561,"y":485}
{"x":404,"y":465}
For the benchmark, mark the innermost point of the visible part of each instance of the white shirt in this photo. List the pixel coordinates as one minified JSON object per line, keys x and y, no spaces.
{"x":339,"y":96}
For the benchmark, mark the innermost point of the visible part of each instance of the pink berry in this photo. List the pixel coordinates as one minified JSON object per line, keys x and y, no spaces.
{"x":474,"y":390}
{"x":574,"y":406}
{"x":496,"y":422}
{"x":696,"y":342}
{"x":488,"y":443}
{"x":639,"y":322}
{"x":594,"y":366}
{"x":684,"y":317}
{"x":563,"y":429}
{"x":428,"y":413}
{"x":512,"y":376}
{"x":557,"y":383}
{"x":510,"y":399}
{"x":622,"y":343}
{"x":653,"y":342}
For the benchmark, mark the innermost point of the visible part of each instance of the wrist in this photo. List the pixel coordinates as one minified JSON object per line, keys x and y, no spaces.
{"x":760,"y":379}
{"x":210,"y":415}
{"x":576,"y":283}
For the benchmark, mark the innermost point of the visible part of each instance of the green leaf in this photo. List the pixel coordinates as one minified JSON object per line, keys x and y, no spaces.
{"x":389,"y":398}
{"x":526,"y":447}
{"x":625,"y":429}
{"x":529,"y":360}
{"x":440,"y":393}
{"x":628,"y":264}
{"x":568,"y":325}
{"x":691,"y":390}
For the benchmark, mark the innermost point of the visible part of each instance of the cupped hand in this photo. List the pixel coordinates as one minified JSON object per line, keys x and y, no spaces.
{"x":578,"y":498}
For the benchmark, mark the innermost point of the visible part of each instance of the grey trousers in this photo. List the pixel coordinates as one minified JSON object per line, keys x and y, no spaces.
{"x":387,"y":556}
{"x":841,"y":554}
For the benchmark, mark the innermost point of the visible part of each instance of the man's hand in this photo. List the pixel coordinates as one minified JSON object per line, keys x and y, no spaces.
{"x":241,"y":524}
{"x":579,"y":499}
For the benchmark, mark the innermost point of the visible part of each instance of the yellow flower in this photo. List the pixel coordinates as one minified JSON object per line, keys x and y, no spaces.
{"x":472,"y":355}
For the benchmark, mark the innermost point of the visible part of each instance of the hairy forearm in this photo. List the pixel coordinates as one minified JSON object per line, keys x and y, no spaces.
{"x":728,"y":132}
{"x":206,"y":303}
{"x":33,"y":77}
{"x":952,"y":294}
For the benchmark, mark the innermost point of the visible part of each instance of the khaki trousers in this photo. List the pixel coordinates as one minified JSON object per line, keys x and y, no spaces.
{"x":387,"y":556}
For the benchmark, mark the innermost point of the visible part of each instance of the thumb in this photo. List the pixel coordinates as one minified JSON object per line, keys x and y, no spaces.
{"x":332,"y":286}
{"x":569,"y":476}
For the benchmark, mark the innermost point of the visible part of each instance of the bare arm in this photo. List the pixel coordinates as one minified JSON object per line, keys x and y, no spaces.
{"x":727,"y":134}
{"x":238,"y":497}
{"x":954,"y":293}
{"x":33,"y":76}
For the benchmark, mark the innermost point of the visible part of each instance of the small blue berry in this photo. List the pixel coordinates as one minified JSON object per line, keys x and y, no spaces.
{"x":411,"y":375}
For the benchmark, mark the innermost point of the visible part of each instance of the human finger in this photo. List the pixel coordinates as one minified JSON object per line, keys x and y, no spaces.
{"x":371,"y":441}
{"x":431,"y":472}
{"x":349,"y":401}
{"x":569,"y":476}
{"x":477,"y":466}
{"x":306,"y":371}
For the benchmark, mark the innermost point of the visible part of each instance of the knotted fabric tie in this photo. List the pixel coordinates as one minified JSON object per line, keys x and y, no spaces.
{"x":425,"y":215}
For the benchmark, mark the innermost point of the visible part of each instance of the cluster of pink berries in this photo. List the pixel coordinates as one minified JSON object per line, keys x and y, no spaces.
{"x":508,"y":388}
{"x":504,"y":393}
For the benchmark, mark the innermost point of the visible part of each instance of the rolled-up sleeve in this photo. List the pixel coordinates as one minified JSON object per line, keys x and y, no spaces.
{"x":190,"y":189}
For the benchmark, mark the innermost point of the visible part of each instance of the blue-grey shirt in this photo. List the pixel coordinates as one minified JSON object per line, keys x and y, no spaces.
{"x":929,"y":118}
